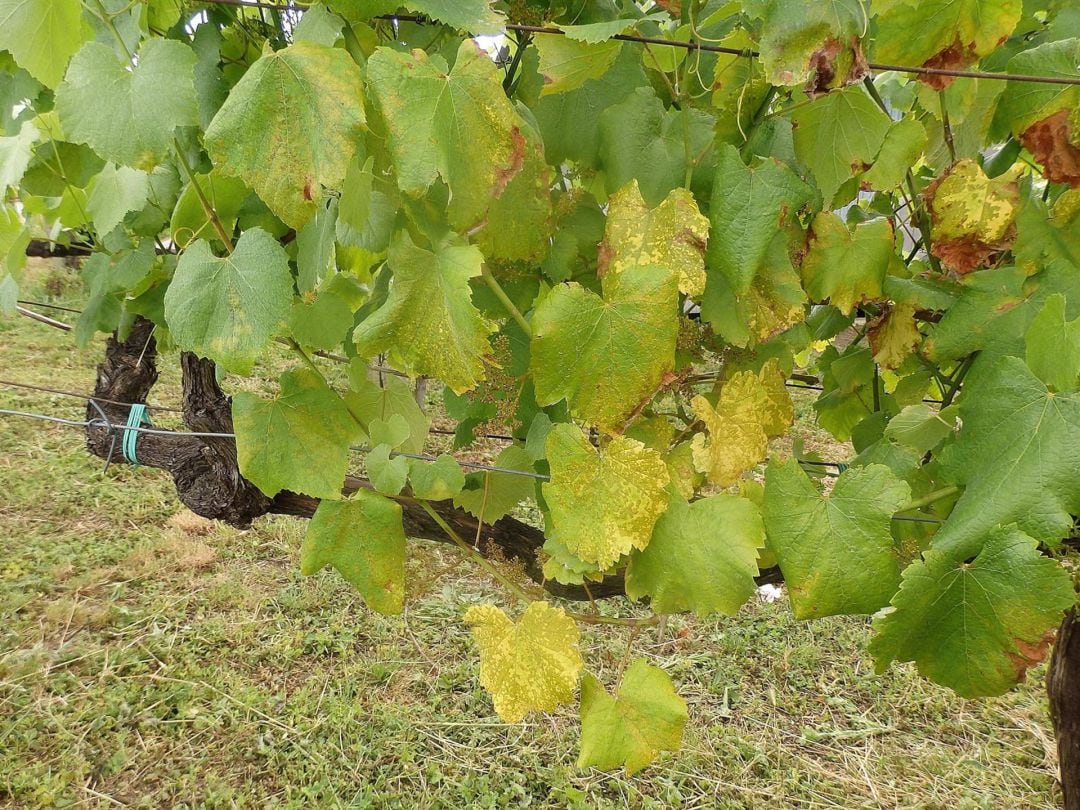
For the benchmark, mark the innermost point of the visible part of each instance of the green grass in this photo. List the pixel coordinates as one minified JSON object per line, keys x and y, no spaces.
{"x":152,"y":659}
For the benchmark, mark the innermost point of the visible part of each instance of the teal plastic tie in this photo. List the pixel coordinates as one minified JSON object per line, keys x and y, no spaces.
{"x":841,"y":466}
{"x":137,"y":417}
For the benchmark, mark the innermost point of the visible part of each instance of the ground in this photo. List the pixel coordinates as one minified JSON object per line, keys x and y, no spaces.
{"x":152,"y":659}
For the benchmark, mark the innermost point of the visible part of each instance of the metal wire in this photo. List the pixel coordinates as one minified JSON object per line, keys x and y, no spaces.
{"x":87,"y":397}
{"x":695,"y":46}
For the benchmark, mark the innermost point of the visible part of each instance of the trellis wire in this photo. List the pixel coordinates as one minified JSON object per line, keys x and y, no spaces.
{"x":102,"y":422}
{"x":692,"y":46}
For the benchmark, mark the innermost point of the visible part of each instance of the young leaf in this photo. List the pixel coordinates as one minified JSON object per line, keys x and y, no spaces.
{"x":437,"y":480}
{"x":978,"y":626}
{"x":298,"y":440}
{"x":529,"y":666}
{"x":229,"y":308}
{"x":133,"y":122}
{"x":607,"y":355}
{"x":43,"y":35}
{"x":1016,"y":456}
{"x":836,"y":550}
{"x":702,"y":557}
{"x":672,"y":235}
{"x":602,"y":502}
{"x":490,"y":495}
{"x":645,"y":717}
{"x":429,"y":324}
{"x":363,"y":539}
{"x":368,"y":402}
{"x":290,"y":127}
{"x":846,"y":266}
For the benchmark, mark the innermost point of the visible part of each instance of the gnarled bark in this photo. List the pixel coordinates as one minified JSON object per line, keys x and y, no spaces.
{"x":1063,"y":687}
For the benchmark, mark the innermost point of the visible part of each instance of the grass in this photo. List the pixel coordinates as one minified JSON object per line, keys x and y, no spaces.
{"x":152,"y":659}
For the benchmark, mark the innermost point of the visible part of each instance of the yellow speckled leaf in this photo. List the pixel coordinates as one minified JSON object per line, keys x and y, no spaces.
{"x":671,"y":235}
{"x":603,"y":502}
{"x":972,"y":215}
{"x":894,"y":335}
{"x":752,"y":408}
{"x":529,"y":666}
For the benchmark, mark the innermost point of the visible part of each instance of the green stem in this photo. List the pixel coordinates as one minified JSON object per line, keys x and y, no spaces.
{"x":352,"y":44}
{"x":958,"y":378}
{"x":926,"y":500}
{"x":504,"y":299}
{"x":946,"y":126}
{"x":208,"y":209}
{"x":307,"y":361}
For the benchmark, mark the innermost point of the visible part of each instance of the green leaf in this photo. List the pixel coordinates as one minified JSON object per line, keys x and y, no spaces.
{"x":811,"y":41}
{"x":1053,"y":346}
{"x":15,"y":152}
{"x":437,"y":480}
{"x":298,"y":440}
{"x":225,"y":194}
{"x":388,"y":475}
{"x":838,"y":136}
{"x":845,"y":266}
{"x":290,"y":127}
{"x":319,"y":26}
{"x":749,"y":206}
{"x":836,"y":550}
{"x":640,"y":139}
{"x":115,"y":192}
{"x":596,"y":32}
{"x":471,"y":16}
{"x":602,"y":502}
{"x":942,"y":33}
{"x":645,"y":717}
{"x":321,"y":324}
{"x":902,"y":148}
{"x":368,"y":402}
{"x":363,"y":539}
{"x":1026,"y":103}
{"x":132,"y":122}
{"x":977,"y":626}
{"x":460,"y":126}
{"x":229,"y":308}
{"x":529,"y":666}
{"x":566,"y":64}
{"x":429,"y":324}
{"x":672,"y":235}
{"x":42,"y":35}
{"x":489,"y":496}
{"x":1016,"y":458}
{"x":702,"y":557}
{"x":607,"y":355}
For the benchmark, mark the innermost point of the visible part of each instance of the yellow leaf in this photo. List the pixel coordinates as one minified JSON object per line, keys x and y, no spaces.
{"x":672,"y":235}
{"x":894,"y":335}
{"x":602,"y":502}
{"x":529,"y":666}
{"x":752,"y":408}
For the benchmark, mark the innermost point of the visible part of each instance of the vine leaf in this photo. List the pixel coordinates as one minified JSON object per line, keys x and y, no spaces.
{"x":972,"y":215}
{"x":607,"y":355}
{"x":529,"y":666}
{"x":115,"y":192}
{"x":905,"y":141}
{"x":894,"y":335}
{"x":43,"y":35}
{"x":566,"y":64}
{"x":1016,"y":458}
{"x":838,"y":136}
{"x":229,"y":308}
{"x":290,"y":126}
{"x":836,"y":550}
{"x":298,"y":440}
{"x":646,"y":716}
{"x":702,"y":557}
{"x":846,"y":266}
{"x":816,"y":43}
{"x":471,"y":16}
{"x":1043,"y":116}
{"x":133,"y":122}
{"x":942,"y":33}
{"x":363,"y":539}
{"x":602,"y":502}
{"x":1053,"y":346}
{"x":460,"y":126}
{"x":368,"y":402}
{"x":977,"y":626}
{"x":189,"y":220}
{"x":437,"y":480}
{"x":429,"y":325}
{"x":673,"y":235}
{"x":489,"y":496}
{"x":15,"y":153}
{"x":752,"y":408}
